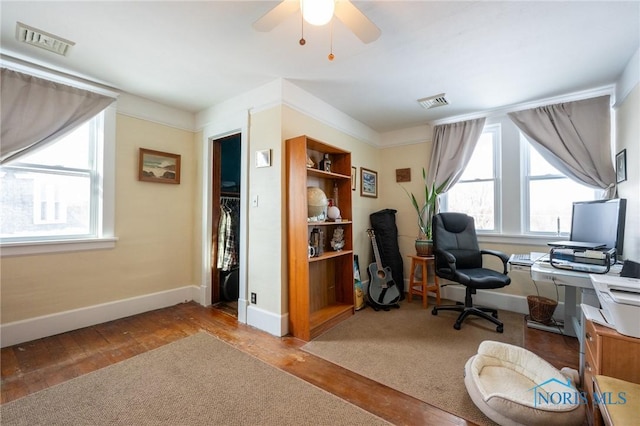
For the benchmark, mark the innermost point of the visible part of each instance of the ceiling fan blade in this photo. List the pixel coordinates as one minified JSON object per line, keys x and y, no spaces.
{"x":275,"y":16}
{"x":357,"y":22}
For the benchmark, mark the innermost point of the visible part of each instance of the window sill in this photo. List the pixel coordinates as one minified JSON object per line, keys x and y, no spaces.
{"x":56,"y":246}
{"x":520,"y":239}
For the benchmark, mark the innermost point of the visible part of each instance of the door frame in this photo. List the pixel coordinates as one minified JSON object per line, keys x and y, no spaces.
{"x":208,"y":203}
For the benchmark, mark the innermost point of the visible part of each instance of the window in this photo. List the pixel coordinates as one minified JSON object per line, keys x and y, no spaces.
{"x":62,"y":193}
{"x":52,"y":192}
{"x":548,"y":194}
{"x":511,"y":190}
{"x":478,"y":188}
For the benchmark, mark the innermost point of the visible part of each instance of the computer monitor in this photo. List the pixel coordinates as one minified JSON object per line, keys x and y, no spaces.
{"x":600,"y":221}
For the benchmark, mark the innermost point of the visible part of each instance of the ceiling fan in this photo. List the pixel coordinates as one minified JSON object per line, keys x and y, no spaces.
{"x":344,"y":10}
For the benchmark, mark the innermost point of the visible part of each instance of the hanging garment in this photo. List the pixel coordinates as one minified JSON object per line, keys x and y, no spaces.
{"x":222,"y":233}
{"x":227,"y":254}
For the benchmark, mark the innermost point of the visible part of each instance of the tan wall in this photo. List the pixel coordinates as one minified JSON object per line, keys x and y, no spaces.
{"x":154,"y":224}
{"x":628,"y":137}
{"x":415,"y":157}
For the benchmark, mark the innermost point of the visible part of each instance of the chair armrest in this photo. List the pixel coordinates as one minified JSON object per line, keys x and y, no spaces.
{"x":448,"y":257}
{"x":502,"y":256}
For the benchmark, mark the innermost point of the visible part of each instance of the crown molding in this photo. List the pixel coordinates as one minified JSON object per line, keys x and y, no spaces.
{"x":148,"y":110}
{"x":571,"y":97}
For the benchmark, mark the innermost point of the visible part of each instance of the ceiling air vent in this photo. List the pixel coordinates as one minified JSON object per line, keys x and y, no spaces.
{"x":433,"y":101}
{"x":39,"y":38}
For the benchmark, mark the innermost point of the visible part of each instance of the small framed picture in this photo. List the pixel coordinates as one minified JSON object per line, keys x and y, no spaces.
{"x":158,"y":166}
{"x":368,"y":183}
{"x":403,"y":175}
{"x":353,"y":178}
{"x":263,"y":158}
{"x":621,"y":166}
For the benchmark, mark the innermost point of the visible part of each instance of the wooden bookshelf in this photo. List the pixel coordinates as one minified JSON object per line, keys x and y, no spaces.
{"x":320,"y":288}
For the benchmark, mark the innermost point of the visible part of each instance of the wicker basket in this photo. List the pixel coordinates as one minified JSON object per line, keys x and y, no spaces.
{"x":541,"y":308}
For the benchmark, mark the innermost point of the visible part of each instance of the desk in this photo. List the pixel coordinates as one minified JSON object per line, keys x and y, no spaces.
{"x":573,"y":281}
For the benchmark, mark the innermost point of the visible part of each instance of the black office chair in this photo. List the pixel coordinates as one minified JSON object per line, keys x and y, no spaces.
{"x":459,"y":259}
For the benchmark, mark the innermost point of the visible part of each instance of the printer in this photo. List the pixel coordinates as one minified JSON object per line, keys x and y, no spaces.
{"x":619,"y":299}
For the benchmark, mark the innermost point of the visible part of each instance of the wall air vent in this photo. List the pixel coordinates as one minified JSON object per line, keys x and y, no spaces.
{"x":433,"y":101}
{"x":39,"y":38}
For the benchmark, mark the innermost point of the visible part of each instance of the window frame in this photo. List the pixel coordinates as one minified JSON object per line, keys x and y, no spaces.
{"x":526,"y":179}
{"x":496,"y":130}
{"x":511,"y":181}
{"x":525,"y":191}
{"x":103,"y":204}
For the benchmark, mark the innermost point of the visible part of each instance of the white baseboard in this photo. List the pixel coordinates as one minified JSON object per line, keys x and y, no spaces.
{"x":277,"y":325}
{"x":48,"y":325}
{"x":495,"y":299}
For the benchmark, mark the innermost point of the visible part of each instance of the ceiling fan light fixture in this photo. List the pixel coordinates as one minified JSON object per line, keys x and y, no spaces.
{"x":317,"y":12}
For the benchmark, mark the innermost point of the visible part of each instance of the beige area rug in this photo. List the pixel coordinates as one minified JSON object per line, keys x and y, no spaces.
{"x":417,"y":353}
{"x":198,"y":380}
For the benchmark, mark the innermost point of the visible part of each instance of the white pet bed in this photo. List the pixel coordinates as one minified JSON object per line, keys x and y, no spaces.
{"x":503,"y":381}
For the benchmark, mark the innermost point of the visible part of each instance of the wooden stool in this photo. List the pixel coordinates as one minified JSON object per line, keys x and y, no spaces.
{"x":422,"y":287}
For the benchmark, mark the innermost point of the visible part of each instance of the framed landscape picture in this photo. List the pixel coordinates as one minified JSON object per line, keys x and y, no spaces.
{"x":158,"y":166}
{"x":368,"y":183}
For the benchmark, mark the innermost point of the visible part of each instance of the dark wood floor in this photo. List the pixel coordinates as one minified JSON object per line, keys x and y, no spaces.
{"x":36,"y":365}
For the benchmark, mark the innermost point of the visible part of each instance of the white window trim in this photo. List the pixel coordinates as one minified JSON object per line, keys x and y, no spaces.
{"x":106,"y":210}
{"x":496,"y":129}
{"x":57,"y":246}
{"x":516,"y":239}
{"x":525,"y":180}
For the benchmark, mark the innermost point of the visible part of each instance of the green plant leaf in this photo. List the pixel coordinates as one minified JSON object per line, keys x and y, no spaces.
{"x":426,"y":211}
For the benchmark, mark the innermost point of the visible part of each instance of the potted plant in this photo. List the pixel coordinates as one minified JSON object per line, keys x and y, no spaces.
{"x":425,"y":212}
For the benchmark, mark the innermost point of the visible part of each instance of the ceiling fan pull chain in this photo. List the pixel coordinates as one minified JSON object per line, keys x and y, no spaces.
{"x":302,"y":40}
{"x":331,"y":56}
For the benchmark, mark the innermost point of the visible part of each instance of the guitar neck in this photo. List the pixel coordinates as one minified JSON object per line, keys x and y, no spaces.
{"x":376,"y":253}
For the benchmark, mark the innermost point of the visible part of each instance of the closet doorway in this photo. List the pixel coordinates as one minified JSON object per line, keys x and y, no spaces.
{"x":226,"y":223}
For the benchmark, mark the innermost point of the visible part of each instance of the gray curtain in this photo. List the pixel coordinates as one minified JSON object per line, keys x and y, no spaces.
{"x":452,"y":147}
{"x":575,"y":138}
{"x":36,"y":112}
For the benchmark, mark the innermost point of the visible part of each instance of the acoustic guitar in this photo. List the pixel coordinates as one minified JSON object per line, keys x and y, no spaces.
{"x":383,"y":291}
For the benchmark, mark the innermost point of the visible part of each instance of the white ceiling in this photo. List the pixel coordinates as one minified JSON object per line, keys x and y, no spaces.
{"x":484,"y":54}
